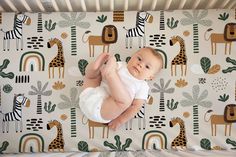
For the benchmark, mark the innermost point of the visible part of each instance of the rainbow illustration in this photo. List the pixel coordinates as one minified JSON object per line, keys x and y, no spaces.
{"x":31,"y":142}
{"x":32,"y":61}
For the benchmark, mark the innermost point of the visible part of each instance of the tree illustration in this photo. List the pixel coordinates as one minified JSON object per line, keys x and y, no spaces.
{"x":40,"y":23}
{"x":162,"y":20}
{"x":195,"y":19}
{"x":40,"y":91}
{"x":71,"y":102}
{"x":162,"y":88}
{"x":72,"y":21}
{"x":196,"y":100}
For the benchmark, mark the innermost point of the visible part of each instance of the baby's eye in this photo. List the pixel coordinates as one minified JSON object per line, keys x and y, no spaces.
{"x":139,"y":59}
{"x":147,"y":67}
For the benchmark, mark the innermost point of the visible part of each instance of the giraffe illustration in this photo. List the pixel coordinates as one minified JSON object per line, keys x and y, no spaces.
{"x":58,"y":142}
{"x":180,"y":58}
{"x":57,"y":61}
{"x":181,"y":139}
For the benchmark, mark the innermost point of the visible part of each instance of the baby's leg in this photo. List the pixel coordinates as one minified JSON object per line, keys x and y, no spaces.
{"x":92,"y":74}
{"x":119,"y":93}
{"x":111,"y":109}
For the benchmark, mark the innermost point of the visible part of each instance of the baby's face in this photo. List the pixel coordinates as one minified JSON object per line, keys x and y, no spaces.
{"x":143,"y":65}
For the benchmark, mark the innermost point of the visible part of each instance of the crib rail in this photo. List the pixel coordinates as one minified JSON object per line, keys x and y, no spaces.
{"x":110,"y":5}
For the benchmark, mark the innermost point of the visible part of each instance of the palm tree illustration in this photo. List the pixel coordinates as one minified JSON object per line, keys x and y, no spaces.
{"x":71,"y":102}
{"x":40,"y":91}
{"x":195,"y":19}
{"x":162,"y":88}
{"x":72,"y":21}
{"x":196,"y":100}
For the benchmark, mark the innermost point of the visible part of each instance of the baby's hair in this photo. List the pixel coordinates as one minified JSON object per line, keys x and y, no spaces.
{"x":156,"y":54}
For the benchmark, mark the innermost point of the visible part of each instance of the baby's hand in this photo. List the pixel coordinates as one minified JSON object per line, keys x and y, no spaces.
{"x":115,"y":124}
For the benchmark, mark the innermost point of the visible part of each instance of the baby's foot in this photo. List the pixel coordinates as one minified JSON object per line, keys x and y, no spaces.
{"x":102,"y":58}
{"x":109,"y":69}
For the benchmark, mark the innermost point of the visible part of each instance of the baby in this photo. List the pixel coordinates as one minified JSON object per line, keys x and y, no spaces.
{"x":115,"y":91}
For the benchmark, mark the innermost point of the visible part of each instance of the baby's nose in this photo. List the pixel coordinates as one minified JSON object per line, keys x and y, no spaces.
{"x":141,"y":65}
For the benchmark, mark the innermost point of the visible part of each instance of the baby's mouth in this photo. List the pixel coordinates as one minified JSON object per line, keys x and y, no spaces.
{"x":136,"y":69}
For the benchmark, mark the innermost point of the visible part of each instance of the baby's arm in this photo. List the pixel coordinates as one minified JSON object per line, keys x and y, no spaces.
{"x":127,"y":114}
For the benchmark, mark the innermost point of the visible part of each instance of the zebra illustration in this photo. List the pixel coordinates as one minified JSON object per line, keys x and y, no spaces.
{"x":16,"y":115}
{"x":16,"y":33}
{"x":140,"y":116}
{"x":139,"y":30}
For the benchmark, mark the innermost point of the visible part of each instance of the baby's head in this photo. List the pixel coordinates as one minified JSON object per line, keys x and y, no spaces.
{"x":145,"y":64}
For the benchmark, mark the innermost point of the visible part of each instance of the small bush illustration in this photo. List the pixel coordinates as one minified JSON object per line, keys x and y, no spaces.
{"x":118,"y":146}
{"x":101,"y":18}
{"x":82,"y":66}
{"x":223,"y":16}
{"x":223,"y":98}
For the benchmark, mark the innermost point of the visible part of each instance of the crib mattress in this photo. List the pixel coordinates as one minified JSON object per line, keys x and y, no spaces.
{"x":43,"y":57}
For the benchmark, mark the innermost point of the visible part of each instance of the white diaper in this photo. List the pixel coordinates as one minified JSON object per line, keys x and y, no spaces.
{"x":91,"y":100}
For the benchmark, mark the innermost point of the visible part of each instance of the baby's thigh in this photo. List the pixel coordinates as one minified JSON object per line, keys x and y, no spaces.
{"x":110,"y":109}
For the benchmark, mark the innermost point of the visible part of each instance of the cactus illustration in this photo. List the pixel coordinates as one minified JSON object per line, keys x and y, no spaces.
{"x":223,"y":98}
{"x":9,"y":75}
{"x":127,"y":59}
{"x":233,"y":143}
{"x":4,"y":146}
{"x":171,"y":23}
{"x":171,"y":105}
{"x":49,"y":108}
{"x":117,"y":56}
{"x":101,"y":18}
{"x":83,"y":146}
{"x":118,"y":146}
{"x":49,"y":26}
{"x":223,"y":16}
{"x":82,"y":65}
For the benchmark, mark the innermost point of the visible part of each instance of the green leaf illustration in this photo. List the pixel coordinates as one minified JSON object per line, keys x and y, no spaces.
{"x":206,"y":64}
{"x":82,"y":66}
{"x":83,"y":146}
{"x":205,"y":144}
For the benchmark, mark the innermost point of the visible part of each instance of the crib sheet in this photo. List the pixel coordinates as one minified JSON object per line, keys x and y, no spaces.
{"x":43,"y":57}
